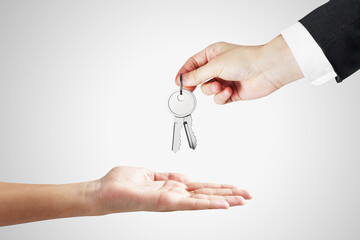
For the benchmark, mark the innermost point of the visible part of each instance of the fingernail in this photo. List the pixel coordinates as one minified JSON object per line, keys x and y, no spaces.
{"x":184,"y":78}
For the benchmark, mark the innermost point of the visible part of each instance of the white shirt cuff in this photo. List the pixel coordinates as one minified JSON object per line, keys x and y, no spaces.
{"x":311,"y":59}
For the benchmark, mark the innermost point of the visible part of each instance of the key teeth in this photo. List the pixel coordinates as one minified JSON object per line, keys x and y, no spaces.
{"x":195,"y":140}
{"x":178,"y":147}
{"x":176,"y":135}
{"x":190,"y":134}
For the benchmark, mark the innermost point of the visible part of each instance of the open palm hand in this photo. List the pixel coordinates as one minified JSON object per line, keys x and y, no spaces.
{"x":126,"y":189}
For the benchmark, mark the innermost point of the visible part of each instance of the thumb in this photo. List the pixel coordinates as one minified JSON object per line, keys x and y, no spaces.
{"x":202,"y":74}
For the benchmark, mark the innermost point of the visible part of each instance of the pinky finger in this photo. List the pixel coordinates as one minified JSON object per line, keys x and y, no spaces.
{"x":223,"y":96}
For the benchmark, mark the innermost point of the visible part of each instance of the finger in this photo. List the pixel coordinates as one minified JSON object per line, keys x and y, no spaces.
{"x":223,"y":96}
{"x":223,"y":192}
{"x":205,"y":196}
{"x":235,"y":200}
{"x":200,"y":59}
{"x":211,"y":87}
{"x":202,"y":74}
{"x":198,"y":185}
{"x":191,"y":89}
{"x":163,"y":176}
{"x":232,"y":200}
{"x":256,"y":88}
{"x":201,"y":204}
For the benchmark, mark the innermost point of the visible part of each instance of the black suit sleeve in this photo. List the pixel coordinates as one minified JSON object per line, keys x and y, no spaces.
{"x":335,"y":26}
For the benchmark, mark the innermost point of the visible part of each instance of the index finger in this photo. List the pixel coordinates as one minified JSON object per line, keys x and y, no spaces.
{"x":198,"y":60}
{"x":198,"y":185}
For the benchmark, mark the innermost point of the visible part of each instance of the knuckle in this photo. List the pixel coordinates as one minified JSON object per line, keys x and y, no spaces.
{"x":218,"y":45}
{"x":172,"y":175}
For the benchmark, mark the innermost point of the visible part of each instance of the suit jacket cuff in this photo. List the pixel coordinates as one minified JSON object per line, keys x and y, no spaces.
{"x":311,"y":59}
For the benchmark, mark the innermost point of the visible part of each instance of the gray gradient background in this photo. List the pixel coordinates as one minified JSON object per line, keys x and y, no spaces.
{"x":83,"y":88}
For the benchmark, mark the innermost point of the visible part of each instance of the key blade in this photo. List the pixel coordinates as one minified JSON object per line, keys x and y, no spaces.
{"x":176,"y":140}
{"x":189,"y":132}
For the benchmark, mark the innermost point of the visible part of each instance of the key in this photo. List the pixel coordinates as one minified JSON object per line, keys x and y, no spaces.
{"x":181,"y":104}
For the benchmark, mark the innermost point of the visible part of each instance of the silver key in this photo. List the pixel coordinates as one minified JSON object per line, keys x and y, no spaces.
{"x":181,"y":106}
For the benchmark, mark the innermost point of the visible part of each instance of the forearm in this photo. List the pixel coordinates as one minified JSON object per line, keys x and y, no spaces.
{"x":20,"y":203}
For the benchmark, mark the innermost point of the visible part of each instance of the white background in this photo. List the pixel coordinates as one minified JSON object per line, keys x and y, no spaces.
{"x":84,"y":87}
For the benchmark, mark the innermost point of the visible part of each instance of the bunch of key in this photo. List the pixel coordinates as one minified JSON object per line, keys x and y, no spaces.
{"x":181,"y":104}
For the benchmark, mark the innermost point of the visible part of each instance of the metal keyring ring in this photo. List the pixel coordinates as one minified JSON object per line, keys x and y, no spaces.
{"x":181,"y":84}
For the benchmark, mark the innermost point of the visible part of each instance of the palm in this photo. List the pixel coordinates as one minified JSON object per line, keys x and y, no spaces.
{"x":138,"y":189}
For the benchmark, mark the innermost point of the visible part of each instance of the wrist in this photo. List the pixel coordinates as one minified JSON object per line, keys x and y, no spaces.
{"x":89,"y":198}
{"x":80,"y":199}
{"x":278,"y":63}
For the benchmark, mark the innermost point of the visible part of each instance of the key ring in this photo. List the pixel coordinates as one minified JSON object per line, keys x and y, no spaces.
{"x":181,"y":84}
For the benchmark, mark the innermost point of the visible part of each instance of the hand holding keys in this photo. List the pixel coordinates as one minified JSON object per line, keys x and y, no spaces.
{"x":181,"y":104}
